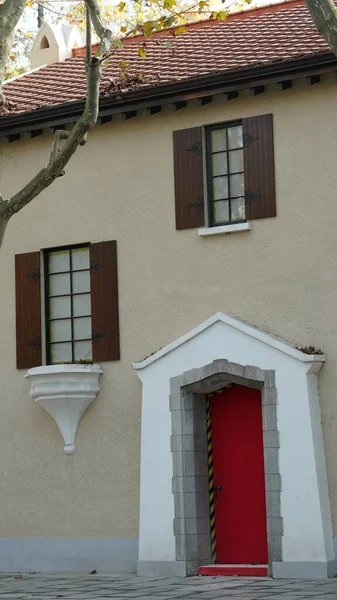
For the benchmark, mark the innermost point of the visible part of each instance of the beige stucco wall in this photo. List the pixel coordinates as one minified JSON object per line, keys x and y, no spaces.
{"x":281,"y":276}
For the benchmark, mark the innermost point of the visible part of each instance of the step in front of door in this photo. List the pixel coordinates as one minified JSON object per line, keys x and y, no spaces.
{"x":234,"y":570}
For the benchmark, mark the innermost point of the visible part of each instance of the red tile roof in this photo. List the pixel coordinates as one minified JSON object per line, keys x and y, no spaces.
{"x":252,"y":38}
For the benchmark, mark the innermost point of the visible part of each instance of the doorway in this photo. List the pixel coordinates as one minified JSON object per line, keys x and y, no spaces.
{"x":237,"y":477}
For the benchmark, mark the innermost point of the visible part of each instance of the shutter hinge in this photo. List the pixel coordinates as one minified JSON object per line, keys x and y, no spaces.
{"x":35,"y":275}
{"x":249,"y":196}
{"x":96,"y":336}
{"x":35,"y":343}
{"x":95,"y":266}
{"x":248,"y":139}
{"x":196,"y":148}
{"x":198,"y":205}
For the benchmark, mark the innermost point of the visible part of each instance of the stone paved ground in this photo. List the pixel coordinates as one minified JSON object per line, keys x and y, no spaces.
{"x":125,"y":587}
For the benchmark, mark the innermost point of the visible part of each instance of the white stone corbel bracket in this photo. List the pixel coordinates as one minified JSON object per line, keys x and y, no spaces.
{"x":65,"y":392}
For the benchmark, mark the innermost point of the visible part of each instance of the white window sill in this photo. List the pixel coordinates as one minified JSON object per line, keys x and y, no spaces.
{"x":232,"y":228}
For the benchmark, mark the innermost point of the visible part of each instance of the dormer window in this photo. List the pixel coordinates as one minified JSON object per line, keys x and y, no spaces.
{"x":44,"y":43}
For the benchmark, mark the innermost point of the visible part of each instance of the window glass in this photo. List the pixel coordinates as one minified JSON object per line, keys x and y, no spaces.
{"x":68,"y":305}
{"x":225,"y":174}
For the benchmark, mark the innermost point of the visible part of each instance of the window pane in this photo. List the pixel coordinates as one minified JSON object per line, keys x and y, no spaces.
{"x":221,"y":211}
{"x":59,"y":261}
{"x":219,"y":163}
{"x":220,"y":188}
{"x":81,"y":305}
{"x":236,"y":161}
{"x":238,"y":209}
{"x":82,"y":329}
{"x":59,"y":285}
{"x":218,"y":140}
{"x":83,"y":350}
{"x":80,"y":258}
{"x":60,"y":353}
{"x":81,"y":282}
{"x":236,"y":185}
{"x":60,"y":308}
{"x":235,"y":137}
{"x":60,"y":331}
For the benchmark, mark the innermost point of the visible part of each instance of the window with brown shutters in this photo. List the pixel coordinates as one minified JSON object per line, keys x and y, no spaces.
{"x":240,"y":173}
{"x":81,"y":305}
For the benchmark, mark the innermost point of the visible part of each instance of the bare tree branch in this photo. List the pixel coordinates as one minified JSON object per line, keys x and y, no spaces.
{"x":103,"y":32}
{"x":65,"y":143}
{"x":324,"y":14}
{"x":10,"y":13}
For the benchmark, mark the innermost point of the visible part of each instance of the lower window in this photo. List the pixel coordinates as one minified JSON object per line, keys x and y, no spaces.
{"x":68,"y":305}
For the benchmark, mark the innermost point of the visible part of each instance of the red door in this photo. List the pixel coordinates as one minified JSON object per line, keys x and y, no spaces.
{"x":240,"y":505}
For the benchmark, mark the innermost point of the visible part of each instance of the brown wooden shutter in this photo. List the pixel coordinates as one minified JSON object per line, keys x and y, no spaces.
{"x":188,"y":178}
{"x":28,"y":310}
{"x":104,"y":301}
{"x":259,"y":168}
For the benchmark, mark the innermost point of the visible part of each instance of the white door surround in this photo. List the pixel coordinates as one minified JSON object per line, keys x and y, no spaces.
{"x":173,"y":534}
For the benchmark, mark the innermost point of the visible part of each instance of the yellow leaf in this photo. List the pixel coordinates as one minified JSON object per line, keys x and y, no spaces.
{"x":141,"y":53}
{"x":121,"y":6}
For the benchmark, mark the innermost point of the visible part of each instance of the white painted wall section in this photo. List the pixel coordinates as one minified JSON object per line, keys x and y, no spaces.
{"x":304,"y":497}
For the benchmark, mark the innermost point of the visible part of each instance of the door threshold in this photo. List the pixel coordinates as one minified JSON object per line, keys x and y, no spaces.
{"x":234,"y":570}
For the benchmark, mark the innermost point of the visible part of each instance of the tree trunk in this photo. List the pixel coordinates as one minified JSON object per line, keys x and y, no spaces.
{"x":324,"y":14}
{"x":10,"y":13}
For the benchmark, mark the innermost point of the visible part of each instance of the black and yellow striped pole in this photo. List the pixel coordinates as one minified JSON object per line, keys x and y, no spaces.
{"x":211,"y":476}
{"x":211,"y":488}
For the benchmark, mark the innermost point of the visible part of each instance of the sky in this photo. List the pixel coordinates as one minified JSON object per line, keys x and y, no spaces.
{"x":29,"y":21}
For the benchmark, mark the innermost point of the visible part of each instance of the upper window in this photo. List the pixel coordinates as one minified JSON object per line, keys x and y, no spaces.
{"x":240,"y":175}
{"x":68,"y":305}
{"x":225,"y":176}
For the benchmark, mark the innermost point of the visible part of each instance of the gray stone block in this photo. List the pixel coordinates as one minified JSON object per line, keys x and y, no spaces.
{"x":273,"y":504}
{"x":191,"y":526}
{"x":274,"y":547}
{"x":275,"y":525}
{"x":192,"y":567}
{"x":176,"y":384}
{"x":271,"y":439}
{"x":189,"y":464}
{"x":179,"y":526}
{"x":180,"y":547}
{"x":177,"y":443}
{"x":177,"y":485}
{"x":177,"y":459}
{"x":191,"y":547}
{"x":191,"y":376}
{"x":273,"y":482}
{"x":204,"y":546}
{"x":253,"y":373}
{"x":269,"y":379}
{"x":234,"y":369}
{"x":269,"y":417}
{"x":187,"y":400}
{"x":188,"y":443}
{"x":269,"y":395}
{"x":175,"y":402}
{"x":271,"y":460}
{"x":200,"y":464}
{"x":176,"y":421}
{"x":179,"y":506}
{"x":202,"y":505}
{"x":190,"y":509}
{"x":200,"y":442}
{"x":187,"y":422}
{"x":203,"y":525}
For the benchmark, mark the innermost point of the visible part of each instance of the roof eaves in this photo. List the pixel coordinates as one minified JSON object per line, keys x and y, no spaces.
{"x":187,"y":89}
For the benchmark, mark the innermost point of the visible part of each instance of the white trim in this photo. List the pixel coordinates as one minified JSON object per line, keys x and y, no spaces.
{"x":231,"y":228}
{"x":258,"y":334}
